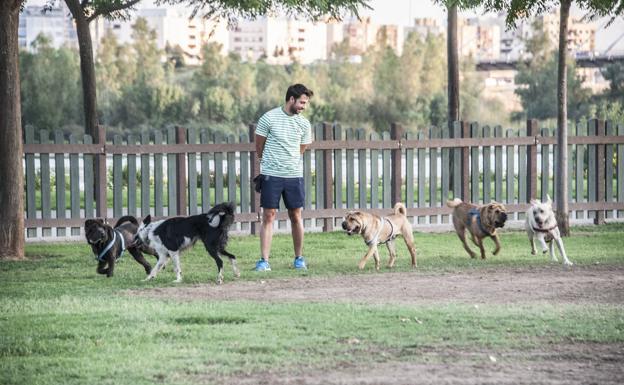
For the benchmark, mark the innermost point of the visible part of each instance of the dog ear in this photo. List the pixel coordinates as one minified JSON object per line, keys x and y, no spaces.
{"x":548,"y":200}
{"x":147,"y":220}
{"x":534,"y":202}
{"x":213,"y":221}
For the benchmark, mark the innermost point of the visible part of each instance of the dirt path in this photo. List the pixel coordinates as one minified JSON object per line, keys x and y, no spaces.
{"x":554,"y":283}
{"x":577,"y":363}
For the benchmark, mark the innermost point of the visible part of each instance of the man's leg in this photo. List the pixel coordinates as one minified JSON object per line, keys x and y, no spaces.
{"x":266,"y":232}
{"x":296,"y":224}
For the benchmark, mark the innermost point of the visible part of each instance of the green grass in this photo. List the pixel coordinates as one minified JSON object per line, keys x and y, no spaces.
{"x":61,"y":323}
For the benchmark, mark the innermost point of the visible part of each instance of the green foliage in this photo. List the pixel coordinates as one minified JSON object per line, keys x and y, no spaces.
{"x":251,"y":9}
{"x":526,"y":9}
{"x":610,"y":104}
{"x":50,"y":86}
{"x":142,"y":87}
{"x":537,"y":82}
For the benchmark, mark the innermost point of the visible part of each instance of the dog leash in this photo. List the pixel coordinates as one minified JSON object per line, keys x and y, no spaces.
{"x":474,"y":212}
{"x":110,"y":245}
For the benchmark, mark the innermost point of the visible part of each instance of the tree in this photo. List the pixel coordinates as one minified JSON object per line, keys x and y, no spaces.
{"x":452,"y":64}
{"x":537,"y":88}
{"x":48,"y":68}
{"x":251,"y":9}
{"x":84,"y":12}
{"x":452,"y":7}
{"x":11,"y":172}
{"x":149,"y":98}
{"x":518,"y":9}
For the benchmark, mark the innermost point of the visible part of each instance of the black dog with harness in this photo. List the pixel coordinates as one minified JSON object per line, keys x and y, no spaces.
{"x":108,"y":243}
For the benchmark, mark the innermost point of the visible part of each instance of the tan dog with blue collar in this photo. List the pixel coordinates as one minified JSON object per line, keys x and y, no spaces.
{"x":377,"y":230}
{"x":480,"y":221}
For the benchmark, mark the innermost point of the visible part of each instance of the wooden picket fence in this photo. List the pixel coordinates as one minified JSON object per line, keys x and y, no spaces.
{"x":184,"y":172}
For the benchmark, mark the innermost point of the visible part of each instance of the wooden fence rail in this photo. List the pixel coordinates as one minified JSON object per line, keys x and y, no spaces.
{"x":182,"y":171}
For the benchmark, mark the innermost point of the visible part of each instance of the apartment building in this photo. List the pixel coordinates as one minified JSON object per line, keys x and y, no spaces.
{"x":173,"y":27}
{"x":424,"y":26}
{"x":482,"y":41}
{"x":55,"y":24}
{"x":581,"y":34}
{"x":279,"y":40}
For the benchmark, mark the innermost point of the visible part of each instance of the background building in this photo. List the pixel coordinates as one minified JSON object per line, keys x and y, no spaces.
{"x":173,"y":28}
{"x":279,"y":40}
{"x":55,"y":24}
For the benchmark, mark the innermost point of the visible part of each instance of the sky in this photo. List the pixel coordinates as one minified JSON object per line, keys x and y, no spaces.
{"x":403,"y":12}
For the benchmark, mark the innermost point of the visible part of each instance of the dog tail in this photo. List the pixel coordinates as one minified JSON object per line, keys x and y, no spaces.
{"x":127,"y":218}
{"x":399,"y":208}
{"x":454,"y":203}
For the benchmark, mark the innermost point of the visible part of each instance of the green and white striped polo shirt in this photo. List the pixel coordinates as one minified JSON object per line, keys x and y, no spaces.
{"x":284,"y":134}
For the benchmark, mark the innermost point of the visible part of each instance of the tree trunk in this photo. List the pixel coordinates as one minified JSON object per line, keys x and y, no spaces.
{"x":453,"y":65}
{"x":562,"y":123}
{"x":87,"y":67}
{"x":453,"y":82}
{"x":11,"y":172}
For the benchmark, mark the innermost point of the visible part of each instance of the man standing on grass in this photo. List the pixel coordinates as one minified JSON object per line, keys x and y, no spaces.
{"x":282,"y":135}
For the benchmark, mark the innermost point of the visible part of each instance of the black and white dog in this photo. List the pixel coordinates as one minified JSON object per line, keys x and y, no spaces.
{"x":169,"y":237}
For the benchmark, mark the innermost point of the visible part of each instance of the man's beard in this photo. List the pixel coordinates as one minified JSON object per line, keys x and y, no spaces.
{"x":293,"y":110}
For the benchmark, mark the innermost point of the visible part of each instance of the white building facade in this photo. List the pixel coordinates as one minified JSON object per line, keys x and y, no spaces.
{"x":279,"y":40}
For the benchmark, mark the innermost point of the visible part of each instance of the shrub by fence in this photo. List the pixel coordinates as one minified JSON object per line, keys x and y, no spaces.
{"x":182,"y":172}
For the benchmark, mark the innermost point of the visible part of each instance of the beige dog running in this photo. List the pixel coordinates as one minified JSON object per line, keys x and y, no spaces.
{"x":377,"y":230}
{"x":481,"y":222}
{"x":541,"y":224}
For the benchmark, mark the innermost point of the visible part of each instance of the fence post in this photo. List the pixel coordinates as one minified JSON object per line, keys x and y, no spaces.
{"x":396,"y":134}
{"x":465,"y":163}
{"x":328,"y":181}
{"x":532,"y":130}
{"x":100,"y":174}
{"x":255,"y":170}
{"x":599,"y":219}
{"x":181,"y":186}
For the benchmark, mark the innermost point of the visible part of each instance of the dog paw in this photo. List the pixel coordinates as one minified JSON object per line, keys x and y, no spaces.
{"x":533,"y":252}
{"x":149,"y":278}
{"x":568,"y":263}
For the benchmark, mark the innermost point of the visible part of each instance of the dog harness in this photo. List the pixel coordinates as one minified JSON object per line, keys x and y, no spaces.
{"x":110,"y":245}
{"x":375,"y":239}
{"x":474,"y":212}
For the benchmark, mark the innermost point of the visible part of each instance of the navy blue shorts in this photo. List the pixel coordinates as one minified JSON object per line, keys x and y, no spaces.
{"x":275,"y":187}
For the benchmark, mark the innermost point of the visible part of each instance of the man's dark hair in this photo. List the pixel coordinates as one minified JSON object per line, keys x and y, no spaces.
{"x":297,"y":90}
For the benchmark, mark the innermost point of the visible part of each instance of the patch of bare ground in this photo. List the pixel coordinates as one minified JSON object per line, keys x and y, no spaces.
{"x":561,"y":364}
{"x":575,"y":363}
{"x":550,"y":283}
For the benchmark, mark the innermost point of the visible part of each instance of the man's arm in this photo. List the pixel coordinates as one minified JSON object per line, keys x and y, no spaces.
{"x":302,"y":148}
{"x":260,"y":141}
